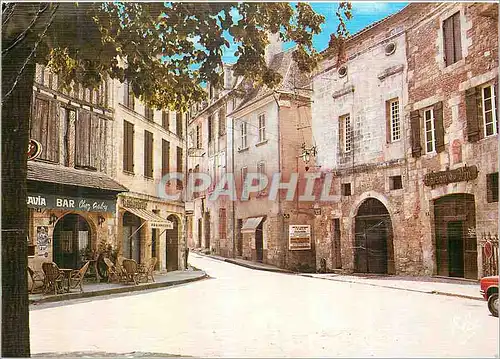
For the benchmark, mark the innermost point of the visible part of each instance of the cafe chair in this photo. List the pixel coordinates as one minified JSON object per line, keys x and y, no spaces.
{"x":131,"y":272}
{"x":36,"y":277}
{"x":76,"y":276}
{"x":115,"y":273}
{"x":53,"y":277}
{"x":146,"y":271}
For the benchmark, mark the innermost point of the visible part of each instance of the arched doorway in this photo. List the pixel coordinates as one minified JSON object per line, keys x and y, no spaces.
{"x":455,"y":230}
{"x":131,"y":242}
{"x":172,"y":254}
{"x":71,"y":241}
{"x":374,"y":251}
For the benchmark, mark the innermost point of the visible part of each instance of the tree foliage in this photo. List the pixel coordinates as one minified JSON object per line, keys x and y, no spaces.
{"x":167,"y":50}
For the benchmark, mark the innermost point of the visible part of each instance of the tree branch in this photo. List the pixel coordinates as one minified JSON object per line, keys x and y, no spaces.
{"x":23,"y":34}
{"x":31,"y":54}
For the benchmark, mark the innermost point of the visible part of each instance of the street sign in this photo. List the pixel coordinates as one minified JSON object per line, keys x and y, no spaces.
{"x":34,"y":149}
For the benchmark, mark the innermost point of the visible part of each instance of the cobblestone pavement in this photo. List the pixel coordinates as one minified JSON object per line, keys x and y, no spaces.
{"x":241,"y":312}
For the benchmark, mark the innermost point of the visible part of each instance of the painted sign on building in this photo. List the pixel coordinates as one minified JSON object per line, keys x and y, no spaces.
{"x":84,"y":204}
{"x":466,"y":173}
{"x":299,"y":237}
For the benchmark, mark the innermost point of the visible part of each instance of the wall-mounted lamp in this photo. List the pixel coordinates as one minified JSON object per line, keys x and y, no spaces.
{"x":101,"y":220}
{"x":307,"y":153}
{"x":52,"y":219}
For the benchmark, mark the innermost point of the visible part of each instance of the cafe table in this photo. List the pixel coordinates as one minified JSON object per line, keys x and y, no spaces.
{"x":67,"y":275}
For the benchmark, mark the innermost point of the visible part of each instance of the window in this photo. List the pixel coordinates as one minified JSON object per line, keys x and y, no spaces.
{"x":243,"y":135}
{"x":199,"y":143}
{"x":346,"y":189}
{"x":452,"y":39}
{"x":196,"y":194}
{"x":489,"y":110}
{"x":179,"y":159}
{"x":128,"y":95}
{"x":222,"y":122}
{"x":210,"y":128}
{"x":492,"y":187}
{"x":222,"y":223}
{"x":128,"y":147}
{"x":148,"y":154}
{"x":262,"y":128}
{"x":179,"y":124}
{"x":165,"y":157}
{"x":429,"y":131}
{"x":394,"y":120}
{"x":165,"y":120}
{"x":346,"y":132}
{"x":149,"y":113}
{"x":395,"y":182}
{"x":45,"y":127}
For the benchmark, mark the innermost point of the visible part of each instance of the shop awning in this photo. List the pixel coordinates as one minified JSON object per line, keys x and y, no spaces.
{"x":154,"y":220}
{"x":251,"y":224}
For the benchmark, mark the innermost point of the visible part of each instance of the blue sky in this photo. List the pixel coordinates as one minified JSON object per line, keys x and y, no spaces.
{"x":364,"y":13}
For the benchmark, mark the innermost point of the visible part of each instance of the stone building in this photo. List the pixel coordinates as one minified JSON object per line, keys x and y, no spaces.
{"x":148,"y":144}
{"x":270,"y":129}
{"x":71,"y":191}
{"x":453,"y":119}
{"x":209,"y":149}
{"x":406,"y":116}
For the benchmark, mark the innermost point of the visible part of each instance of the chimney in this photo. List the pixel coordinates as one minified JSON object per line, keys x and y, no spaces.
{"x":275,"y":47}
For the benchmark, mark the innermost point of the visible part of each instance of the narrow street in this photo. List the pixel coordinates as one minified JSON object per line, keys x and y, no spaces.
{"x":240,"y":312}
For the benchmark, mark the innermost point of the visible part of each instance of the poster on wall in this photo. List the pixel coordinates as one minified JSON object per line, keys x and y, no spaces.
{"x":299,"y":237}
{"x":42,"y":241}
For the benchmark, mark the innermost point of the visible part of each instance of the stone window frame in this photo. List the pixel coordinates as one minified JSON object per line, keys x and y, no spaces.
{"x":493,"y":110}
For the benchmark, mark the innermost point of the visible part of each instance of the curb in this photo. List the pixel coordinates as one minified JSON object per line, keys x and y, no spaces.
{"x":97,"y":293}
{"x":247,"y":265}
{"x":398,"y":288}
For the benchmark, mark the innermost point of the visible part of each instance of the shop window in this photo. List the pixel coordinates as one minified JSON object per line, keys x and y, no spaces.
{"x":346,"y":189}
{"x":452,"y":39}
{"x":492,"y":187}
{"x":395,"y":182}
